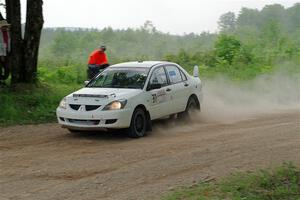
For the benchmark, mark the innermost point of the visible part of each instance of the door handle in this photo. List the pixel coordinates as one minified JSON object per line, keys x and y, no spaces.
{"x":168,"y":89}
{"x":186,"y":84}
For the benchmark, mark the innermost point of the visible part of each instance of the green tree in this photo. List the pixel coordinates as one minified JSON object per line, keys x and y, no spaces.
{"x":248,"y":17}
{"x":227,"y":22}
{"x":149,"y":27}
{"x":226,"y":47}
{"x":63,"y":44}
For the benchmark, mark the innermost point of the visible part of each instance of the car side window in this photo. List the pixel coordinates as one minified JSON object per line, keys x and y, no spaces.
{"x":174,"y":74}
{"x":159,"y":77}
{"x":184,"y":78}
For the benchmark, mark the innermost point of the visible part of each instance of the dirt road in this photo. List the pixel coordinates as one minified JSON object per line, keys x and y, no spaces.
{"x":46,"y":162}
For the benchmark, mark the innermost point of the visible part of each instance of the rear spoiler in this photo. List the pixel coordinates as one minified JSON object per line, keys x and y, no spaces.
{"x":196,"y":71}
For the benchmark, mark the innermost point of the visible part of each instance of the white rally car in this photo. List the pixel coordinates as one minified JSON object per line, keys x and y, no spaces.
{"x":130,"y":95}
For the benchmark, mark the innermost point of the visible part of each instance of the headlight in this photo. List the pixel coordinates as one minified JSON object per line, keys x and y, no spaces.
{"x":63,"y":103}
{"x":116,"y":105}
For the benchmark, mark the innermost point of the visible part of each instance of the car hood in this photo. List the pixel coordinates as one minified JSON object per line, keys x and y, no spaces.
{"x":100,"y":95}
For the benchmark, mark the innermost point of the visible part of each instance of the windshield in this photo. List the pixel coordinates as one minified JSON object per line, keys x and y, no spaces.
{"x":120,"y":78}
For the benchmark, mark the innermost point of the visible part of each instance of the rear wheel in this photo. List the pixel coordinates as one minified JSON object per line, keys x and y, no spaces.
{"x":138,"y":124}
{"x":173,"y":116}
{"x":191,"y":108}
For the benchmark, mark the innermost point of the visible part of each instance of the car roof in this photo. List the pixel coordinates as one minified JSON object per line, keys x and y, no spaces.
{"x":144,"y":64}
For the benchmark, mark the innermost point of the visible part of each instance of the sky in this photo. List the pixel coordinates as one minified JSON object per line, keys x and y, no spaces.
{"x":172,"y":16}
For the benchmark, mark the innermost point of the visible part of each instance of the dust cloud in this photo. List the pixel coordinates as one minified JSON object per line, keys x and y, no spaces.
{"x":226,"y":101}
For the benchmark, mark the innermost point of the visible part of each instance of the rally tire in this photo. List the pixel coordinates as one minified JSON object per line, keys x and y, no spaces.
{"x":190,"y":109}
{"x":138,"y":124}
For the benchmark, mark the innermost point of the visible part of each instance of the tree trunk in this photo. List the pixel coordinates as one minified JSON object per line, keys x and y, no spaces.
{"x":15,"y":58}
{"x":33,"y":29}
{"x":23,"y":58}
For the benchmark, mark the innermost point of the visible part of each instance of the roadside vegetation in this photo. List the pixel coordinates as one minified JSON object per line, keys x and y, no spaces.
{"x":249,"y":44}
{"x":282,"y":183}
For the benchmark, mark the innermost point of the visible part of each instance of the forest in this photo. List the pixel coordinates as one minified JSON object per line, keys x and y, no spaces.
{"x":248,"y":44}
{"x":251,"y":39}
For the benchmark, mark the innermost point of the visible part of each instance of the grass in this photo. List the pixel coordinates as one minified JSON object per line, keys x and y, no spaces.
{"x":31,"y":105}
{"x":28,"y":106}
{"x":282,"y":183}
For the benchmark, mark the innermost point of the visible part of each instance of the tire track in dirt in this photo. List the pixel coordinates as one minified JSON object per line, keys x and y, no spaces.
{"x":46,"y":162}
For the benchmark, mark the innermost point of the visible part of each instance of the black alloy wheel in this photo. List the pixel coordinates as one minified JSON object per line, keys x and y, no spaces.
{"x":138,"y":124}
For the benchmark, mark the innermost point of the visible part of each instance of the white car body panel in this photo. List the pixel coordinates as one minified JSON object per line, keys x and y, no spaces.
{"x":158,"y":102}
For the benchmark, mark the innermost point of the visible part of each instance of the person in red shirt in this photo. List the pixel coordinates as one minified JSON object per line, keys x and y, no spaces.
{"x":97,"y":62}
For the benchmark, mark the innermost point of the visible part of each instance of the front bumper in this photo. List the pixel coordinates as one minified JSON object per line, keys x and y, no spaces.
{"x":94,"y":120}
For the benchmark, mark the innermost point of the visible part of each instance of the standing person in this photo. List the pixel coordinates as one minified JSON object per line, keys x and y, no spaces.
{"x":4,"y":47}
{"x":97,"y":62}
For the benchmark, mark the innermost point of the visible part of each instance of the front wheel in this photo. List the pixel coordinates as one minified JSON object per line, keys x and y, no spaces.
{"x":138,"y":124}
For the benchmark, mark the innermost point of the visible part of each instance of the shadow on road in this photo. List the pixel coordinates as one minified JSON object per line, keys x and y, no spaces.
{"x":120,"y":135}
{"x":100,"y":135}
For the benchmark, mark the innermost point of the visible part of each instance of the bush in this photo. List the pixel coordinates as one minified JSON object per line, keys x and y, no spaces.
{"x":31,"y":105}
{"x":75,"y":74}
{"x":227,"y":47}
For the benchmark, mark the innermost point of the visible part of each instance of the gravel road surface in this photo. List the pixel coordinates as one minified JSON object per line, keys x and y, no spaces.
{"x":47,"y":162}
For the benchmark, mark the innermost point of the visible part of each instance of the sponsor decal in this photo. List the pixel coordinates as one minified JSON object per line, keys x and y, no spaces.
{"x":154,"y":98}
{"x":172,"y":73}
{"x":159,"y":97}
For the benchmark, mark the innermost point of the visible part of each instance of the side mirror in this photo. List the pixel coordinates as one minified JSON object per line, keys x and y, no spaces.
{"x":86,"y":82}
{"x":154,"y":86}
{"x":196,"y":71}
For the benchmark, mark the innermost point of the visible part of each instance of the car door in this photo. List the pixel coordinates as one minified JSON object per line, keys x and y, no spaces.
{"x":180,"y":88}
{"x":160,"y":98}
